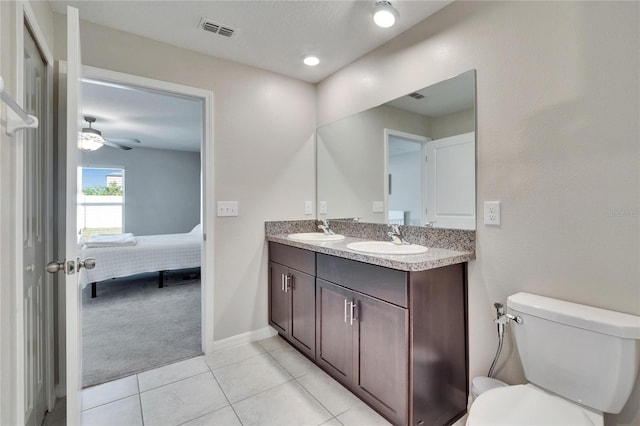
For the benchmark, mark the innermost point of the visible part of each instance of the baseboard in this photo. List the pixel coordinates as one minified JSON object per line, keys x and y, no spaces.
{"x":243,"y":338}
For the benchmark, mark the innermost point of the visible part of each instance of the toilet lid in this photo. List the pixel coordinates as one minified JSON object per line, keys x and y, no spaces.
{"x":526,"y":406}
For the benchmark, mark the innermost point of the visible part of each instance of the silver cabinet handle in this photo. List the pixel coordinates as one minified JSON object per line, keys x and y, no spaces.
{"x":345,"y":310}
{"x":286,"y":282}
{"x":282,"y":282}
{"x":353,"y":311}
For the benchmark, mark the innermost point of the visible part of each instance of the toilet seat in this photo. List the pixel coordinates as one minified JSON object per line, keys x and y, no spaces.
{"x":528,"y":405}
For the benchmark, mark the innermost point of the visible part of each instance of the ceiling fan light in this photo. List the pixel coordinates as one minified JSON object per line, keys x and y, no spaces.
{"x":384,"y":14}
{"x":91,"y":139}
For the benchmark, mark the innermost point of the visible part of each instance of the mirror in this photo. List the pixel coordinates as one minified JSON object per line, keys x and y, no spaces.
{"x":410,"y":161}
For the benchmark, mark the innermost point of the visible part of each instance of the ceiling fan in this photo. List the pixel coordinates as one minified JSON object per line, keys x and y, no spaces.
{"x":92,"y":139}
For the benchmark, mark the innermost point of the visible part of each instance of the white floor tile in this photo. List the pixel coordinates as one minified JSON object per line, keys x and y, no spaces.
{"x":172,"y":373}
{"x":122,"y":412}
{"x":247,"y":378}
{"x":274,"y":343}
{"x":182,"y":401}
{"x":232,"y":355}
{"x":329,"y":392}
{"x":287,"y":404}
{"x":261,"y":389}
{"x":222,"y":417}
{"x":108,"y":392}
{"x":362,"y":415}
{"x":294,"y":362}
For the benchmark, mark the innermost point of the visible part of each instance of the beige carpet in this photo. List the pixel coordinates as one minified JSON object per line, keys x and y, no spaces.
{"x":133,"y":325}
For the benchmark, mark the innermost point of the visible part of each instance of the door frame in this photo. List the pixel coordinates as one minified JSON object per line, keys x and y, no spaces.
{"x":24,"y":14}
{"x":206,"y":184}
{"x":422,"y":140}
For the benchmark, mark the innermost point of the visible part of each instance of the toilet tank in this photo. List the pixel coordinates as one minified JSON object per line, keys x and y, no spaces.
{"x":585,"y":354}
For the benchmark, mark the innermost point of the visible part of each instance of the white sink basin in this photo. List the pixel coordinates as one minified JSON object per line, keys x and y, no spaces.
{"x":315,"y":237}
{"x":386,"y":247}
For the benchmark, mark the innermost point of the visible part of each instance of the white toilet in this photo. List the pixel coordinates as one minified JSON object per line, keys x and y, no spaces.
{"x":580,"y":361}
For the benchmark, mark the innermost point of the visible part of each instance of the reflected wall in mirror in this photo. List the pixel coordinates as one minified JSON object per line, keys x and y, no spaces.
{"x":410,"y":161}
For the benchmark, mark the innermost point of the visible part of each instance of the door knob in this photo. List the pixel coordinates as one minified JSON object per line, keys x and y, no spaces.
{"x":53,"y":267}
{"x":88,"y":263}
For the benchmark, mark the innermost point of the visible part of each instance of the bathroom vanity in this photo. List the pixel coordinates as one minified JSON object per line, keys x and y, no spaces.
{"x":392,"y":329}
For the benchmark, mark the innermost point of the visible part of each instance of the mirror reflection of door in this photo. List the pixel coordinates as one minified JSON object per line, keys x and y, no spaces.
{"x":450,"y":181}
{"x":405,"y":186}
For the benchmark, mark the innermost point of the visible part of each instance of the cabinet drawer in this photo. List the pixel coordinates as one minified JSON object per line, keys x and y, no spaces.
{"x":293,"y":257}
{"x":383,"y":283}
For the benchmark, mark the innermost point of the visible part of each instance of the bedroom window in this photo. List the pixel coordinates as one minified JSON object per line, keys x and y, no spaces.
{"x":100,"y":205}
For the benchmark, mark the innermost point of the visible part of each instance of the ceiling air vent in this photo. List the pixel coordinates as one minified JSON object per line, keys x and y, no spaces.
{"x":416,"y":95}
{"x":212,"y":27}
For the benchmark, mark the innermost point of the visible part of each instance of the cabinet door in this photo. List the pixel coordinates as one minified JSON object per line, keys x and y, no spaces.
{"x":278,"y":298}
{"x":383,"y":357}
{"x":334,"y":335}
{"x":303,"y":312}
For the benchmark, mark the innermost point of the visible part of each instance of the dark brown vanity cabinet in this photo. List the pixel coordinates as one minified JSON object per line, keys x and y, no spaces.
{"x":396,"y":339}
{"x":362,"y":342}
{"x":292,"y":295}
{"x":362,"y":331}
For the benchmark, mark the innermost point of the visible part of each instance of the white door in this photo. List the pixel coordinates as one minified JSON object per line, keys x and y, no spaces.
{"x":72,"y":291}
{"x":450,"y":188}
{"x":33,"y":244}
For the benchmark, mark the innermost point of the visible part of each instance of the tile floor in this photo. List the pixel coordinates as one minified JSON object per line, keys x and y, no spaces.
{"x":262,"y":383}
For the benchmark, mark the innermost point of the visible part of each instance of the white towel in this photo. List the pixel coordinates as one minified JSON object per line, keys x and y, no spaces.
{"x":110,"y":240}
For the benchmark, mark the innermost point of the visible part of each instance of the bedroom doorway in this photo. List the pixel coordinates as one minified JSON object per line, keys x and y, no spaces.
{"x":162,"y":193}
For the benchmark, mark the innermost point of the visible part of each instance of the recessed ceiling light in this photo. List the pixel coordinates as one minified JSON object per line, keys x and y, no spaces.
{"x":384,"y":14}
{"x":311,"y":61}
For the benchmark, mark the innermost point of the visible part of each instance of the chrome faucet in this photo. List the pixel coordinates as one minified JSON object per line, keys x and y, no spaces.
{"x":325,"y":227}
{"x":396,"y":235}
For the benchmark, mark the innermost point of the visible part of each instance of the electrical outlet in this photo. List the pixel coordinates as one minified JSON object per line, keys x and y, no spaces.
{"x":378,"y":207}
{"x":308,"y":207}
{"x":323,"y":207}
{"x":227,"y":208}
{"x":492,"y":212}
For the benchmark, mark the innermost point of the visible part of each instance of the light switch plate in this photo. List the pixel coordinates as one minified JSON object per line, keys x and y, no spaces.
{"x":378,"y":207}
{"x":308,"y":207}
{"x":323,"y":207}
{"x":492,"y":212}
{"x":227,"y":208}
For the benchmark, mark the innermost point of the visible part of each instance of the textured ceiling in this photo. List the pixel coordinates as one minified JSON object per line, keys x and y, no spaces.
{"x":158,"y":120}
{"x":272,"y":35}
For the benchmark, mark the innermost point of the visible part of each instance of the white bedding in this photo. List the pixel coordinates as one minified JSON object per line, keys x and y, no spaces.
{"x":110,"y":240}
{"x":152,"y":253}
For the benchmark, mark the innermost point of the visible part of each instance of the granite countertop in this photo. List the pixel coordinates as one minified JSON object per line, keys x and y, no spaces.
{"x":434,"y":258}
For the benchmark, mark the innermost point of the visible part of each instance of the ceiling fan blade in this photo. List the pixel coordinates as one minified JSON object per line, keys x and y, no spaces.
{"x":123,"y":140}
{"x":109,"y":142}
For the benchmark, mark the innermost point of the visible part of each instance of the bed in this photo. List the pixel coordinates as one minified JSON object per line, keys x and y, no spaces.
{"x":151,"y":253}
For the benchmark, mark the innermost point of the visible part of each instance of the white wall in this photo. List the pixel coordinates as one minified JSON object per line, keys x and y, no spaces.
{"x":162,"y":187}
{"x":264,"y":150}
{"x":558,"y":133}
{"x":453,"y":124}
